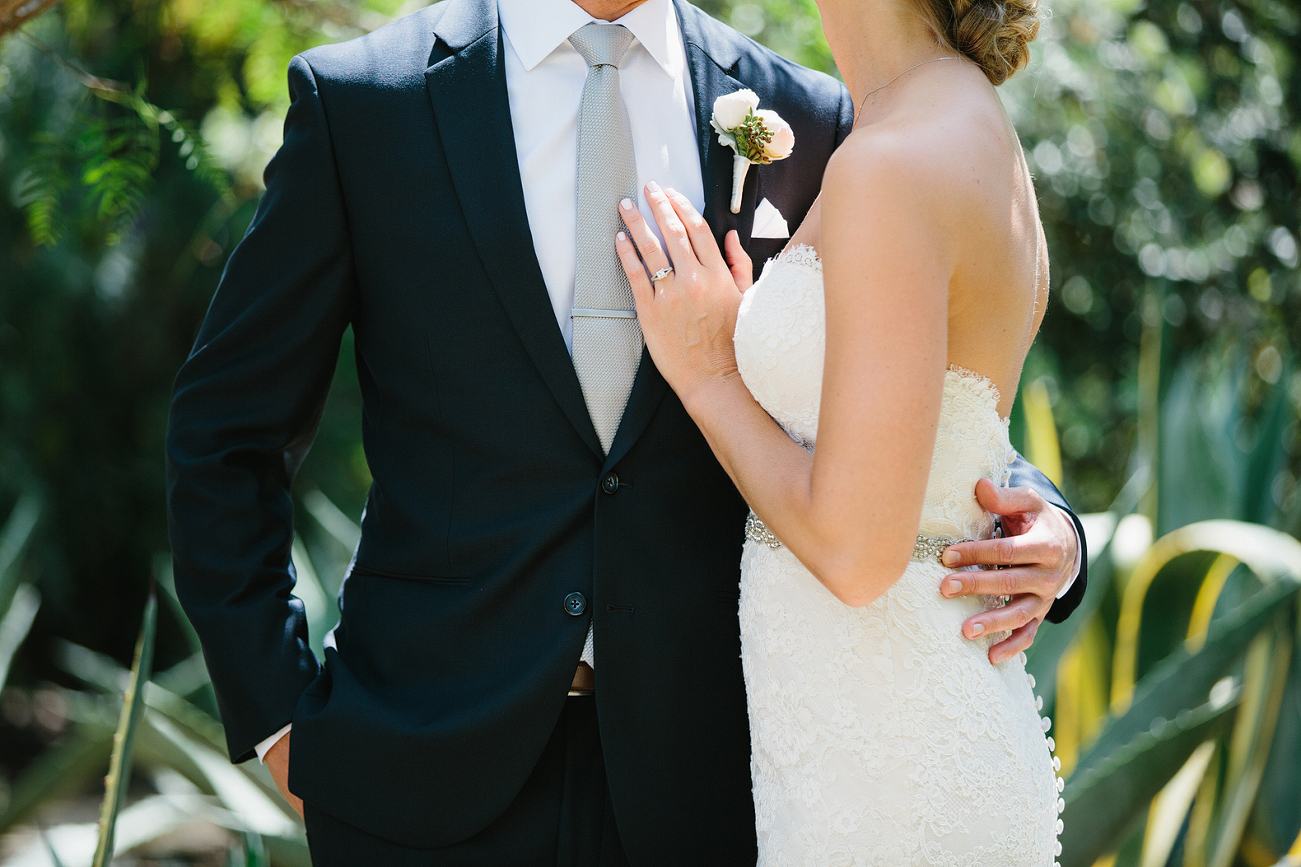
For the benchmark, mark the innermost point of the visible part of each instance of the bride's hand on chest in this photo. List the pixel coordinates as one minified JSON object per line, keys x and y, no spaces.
{"x":687,"y":291}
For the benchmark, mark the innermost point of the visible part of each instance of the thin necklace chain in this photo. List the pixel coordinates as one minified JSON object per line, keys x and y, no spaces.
{"x":863,"y":102}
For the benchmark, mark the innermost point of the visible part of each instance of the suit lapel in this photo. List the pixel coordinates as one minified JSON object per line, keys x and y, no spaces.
{"x":467,"y":89}
{"x":712,"y":55}
{"x":711,"y":52}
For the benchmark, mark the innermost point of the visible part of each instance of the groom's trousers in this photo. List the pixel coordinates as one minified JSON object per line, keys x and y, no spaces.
{"x":562,"y":816}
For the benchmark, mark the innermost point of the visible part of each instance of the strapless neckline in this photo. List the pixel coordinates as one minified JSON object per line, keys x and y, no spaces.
{"x":806,"y":256}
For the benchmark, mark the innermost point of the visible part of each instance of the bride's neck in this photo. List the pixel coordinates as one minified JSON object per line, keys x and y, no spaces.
{"x":873,"y":41}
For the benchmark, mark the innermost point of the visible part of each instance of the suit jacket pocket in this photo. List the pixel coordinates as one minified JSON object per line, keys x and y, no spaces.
{"x":446,"y":580}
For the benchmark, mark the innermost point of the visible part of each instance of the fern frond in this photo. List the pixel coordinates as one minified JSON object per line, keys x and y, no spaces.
{"x":194,"y":150}
{"x":44,"y":190}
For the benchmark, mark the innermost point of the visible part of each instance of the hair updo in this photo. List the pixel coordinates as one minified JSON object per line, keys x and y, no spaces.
{"x":996,"y":34}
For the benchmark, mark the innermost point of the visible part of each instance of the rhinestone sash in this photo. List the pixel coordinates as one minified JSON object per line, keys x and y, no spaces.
{"x":927,"y":547}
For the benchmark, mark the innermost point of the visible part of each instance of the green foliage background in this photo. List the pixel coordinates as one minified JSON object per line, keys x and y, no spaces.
{"x":1166,"y":145}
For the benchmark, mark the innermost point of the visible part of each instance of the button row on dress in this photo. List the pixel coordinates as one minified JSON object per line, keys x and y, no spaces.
{"x":1046,"y":723}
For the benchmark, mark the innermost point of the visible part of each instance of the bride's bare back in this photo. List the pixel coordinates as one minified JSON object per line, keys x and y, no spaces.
{"x":948,"y":132}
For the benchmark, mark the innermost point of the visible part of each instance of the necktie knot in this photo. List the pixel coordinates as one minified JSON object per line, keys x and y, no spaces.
{"x":602,"y":44}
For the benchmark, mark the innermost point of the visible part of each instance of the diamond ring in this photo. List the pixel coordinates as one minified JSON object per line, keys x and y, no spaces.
{"x":661,"y":274}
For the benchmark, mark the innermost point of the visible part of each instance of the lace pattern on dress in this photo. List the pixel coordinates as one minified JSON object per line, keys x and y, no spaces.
{"x":800,"y":254}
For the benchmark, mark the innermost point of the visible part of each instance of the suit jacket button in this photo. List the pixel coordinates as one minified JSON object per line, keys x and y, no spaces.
{"x":610,"y":483}
{"x":575,"y":604}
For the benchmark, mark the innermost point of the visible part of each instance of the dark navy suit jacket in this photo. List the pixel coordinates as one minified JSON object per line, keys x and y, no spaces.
{"x":395,"y":207}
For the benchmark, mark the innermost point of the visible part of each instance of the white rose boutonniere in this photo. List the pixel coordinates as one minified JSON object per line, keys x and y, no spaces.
{"x":756,"y":136}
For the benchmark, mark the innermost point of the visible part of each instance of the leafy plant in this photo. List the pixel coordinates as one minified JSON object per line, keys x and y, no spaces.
{"x":109,"y":156}
{"x":119,"y":769}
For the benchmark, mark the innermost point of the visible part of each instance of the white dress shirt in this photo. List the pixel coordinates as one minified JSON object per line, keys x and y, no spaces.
{"x":544,"y":79}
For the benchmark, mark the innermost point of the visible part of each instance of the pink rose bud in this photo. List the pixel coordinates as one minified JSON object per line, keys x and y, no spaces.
{"x":783,"y":137}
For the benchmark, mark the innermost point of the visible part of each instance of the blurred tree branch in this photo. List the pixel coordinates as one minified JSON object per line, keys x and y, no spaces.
{"x":16,"y":13}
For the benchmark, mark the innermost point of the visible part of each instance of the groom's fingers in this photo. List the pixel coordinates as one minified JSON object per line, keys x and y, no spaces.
{"x":1008,"y":501}
{"x":1021,"y":610}
{"x":1020,"y":639}
{"x":1030,"y":548}
{"x":738,"y":261}
{"x":1014,"y":581}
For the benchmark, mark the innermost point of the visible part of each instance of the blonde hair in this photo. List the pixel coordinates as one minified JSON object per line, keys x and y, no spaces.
{"x":996,"y":34}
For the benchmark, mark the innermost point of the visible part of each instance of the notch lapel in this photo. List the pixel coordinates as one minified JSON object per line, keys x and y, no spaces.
{"x":467,"y":90}
{"x":711,"y":53}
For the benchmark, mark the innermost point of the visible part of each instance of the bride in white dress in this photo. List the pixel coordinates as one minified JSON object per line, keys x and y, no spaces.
{"x":880,"y":735}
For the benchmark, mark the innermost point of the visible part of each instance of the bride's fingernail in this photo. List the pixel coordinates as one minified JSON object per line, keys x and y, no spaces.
{"x":626,"y":204}
{"x":653,"y":187}
{"x":953,"y":585}
{"x":977,"y":629}
{"x":670,"y":192}
{"x":950,"y":558}
{"x":621,"y":236}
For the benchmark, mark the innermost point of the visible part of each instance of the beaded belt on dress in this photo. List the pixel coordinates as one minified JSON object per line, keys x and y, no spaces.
{"x":927,"y":547}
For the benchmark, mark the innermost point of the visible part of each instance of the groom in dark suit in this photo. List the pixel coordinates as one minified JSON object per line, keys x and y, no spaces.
{"x":538,"y":655}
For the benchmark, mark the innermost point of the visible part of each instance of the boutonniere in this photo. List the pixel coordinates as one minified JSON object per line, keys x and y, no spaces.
{"x":757,"y":136}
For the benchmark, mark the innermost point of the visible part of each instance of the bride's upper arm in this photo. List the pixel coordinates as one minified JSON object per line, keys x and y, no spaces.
{"x":887,"y":265}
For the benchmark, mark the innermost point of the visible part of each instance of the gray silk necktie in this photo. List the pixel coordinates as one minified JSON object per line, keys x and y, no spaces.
{"x":607,"y":337}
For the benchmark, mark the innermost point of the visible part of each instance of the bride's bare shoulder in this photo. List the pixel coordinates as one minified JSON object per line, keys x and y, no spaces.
{"x":890,"y":168}
{"x":938,"y":153}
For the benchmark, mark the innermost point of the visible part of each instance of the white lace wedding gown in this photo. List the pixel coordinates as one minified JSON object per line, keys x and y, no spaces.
{"x":879,"y":735}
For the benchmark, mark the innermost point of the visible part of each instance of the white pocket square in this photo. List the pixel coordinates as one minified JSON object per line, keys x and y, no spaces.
{"x":768,"y":222}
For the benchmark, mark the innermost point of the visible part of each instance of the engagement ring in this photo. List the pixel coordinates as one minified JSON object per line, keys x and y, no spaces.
{"x":661,"y":274}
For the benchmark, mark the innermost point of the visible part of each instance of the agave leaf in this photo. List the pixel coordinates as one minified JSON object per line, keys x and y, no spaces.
{"x":60,"y":769}
{"x":1270,"y":454}
{"x":1165,"y":818}
{"x":1277,"y":815}
{"x":1042,"y":447}
{"x":189,"y":717}
{"x":1104,"y":803}
{"x":1264,"y":678}
{"x":186,"y":677}
{"x":49,"y":848}
{"x":119,"y":770}
{"x":332,"y":519}
{"x":1268,"y":553}
{"x":14,"y":537}
{"x":165,"y":576}
{"x":1183,"y":680}
{"x":237,"y":790}
{"x":287,"y":852}
{"x":147,"y":819}
{"x":91,"y":667}
{"x":15,"y":624}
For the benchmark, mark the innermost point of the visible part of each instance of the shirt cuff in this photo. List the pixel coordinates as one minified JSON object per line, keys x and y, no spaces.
{"x":1075,"y":572}
{"x":265,"y":747}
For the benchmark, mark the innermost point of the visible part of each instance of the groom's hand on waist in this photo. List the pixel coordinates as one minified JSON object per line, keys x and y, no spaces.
{"x":277,"y":762}
{"x":1037,"y":558}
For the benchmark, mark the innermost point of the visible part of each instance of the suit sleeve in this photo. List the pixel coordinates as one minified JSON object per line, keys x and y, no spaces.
{"x":844,"y":116}
{"x":245,"y":409}
{"x":1025,"y":474}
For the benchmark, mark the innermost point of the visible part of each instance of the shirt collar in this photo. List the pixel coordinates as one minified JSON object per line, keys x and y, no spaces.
{"x":535,"y":28}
